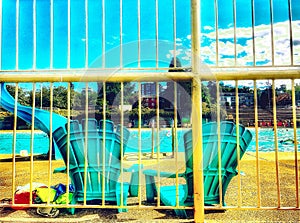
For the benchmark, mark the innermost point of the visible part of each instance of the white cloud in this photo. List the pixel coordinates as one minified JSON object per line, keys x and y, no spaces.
{"x":262,"y":84}
{"x":244,"y":45}
{"x":208,"y":28}
{"x":244,"y":48}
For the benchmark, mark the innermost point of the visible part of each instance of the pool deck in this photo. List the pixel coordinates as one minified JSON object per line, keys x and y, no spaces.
{"x":229,"y":216}
{"x":248,"y":165}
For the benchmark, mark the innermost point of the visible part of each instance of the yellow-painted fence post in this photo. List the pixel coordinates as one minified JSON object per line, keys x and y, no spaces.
{"x":197,"y":115}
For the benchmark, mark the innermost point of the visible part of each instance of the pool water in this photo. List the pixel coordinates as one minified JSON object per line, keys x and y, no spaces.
{"x":41,"y":141}
{"x":285,"y":139}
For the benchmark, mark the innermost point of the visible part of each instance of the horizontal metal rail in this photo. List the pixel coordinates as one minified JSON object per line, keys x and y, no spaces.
{"x":102,"y":75}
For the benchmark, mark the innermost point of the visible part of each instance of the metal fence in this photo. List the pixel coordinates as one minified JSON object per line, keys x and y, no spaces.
{"x":77,"y":44}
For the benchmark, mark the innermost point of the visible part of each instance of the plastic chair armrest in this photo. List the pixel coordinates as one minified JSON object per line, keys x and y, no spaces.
{"x":154,"y":173}
{"x":62,"y":169}
{"x":134,"y":168}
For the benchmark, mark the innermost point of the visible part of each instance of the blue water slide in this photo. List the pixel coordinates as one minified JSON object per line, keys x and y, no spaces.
{"x":42,"y":117}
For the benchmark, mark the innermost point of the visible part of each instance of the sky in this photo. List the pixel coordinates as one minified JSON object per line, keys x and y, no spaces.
{"x":97,"y":44}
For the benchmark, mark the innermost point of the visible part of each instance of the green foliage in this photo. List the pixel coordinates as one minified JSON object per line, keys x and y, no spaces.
{"x":113,"y":98}
{"x":42,"y":96}
{"x":113,"y":94}
{"x":22,"y":95}
{"x":265,"y":99}
{"x":147,"y":114}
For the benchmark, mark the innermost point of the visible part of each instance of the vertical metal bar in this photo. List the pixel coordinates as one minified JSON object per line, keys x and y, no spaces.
{"x":122,"y":140}
{"x":52,"y":33}
{"x":175,"y":149}
{"x":104,"y":143}
{"x":14,"y":144}
{"x":158,"y":143}
{"x":17,"y":33}
{"x":253,"y":31}
{"x":174,"y":126}
{"x":195,"y":20}
{"x":197,"y":114}
{"x":152,"y":139}
{"x":86,"y":34}
{"x":32,"y":138}
{"x":295,"y":143}
{"x":139,"y":33}
{"x":86,"y":140}
{"x":68,"y":141}
{"x":198,"y":152}
{"x":237,"y":121}
{"x":41,"y":105}
{"x":174,"y":31}
{"x":103,"y":36}
{"x":99,"y":161}
{"x":69,"y":35}
{"x":234,"y":32}
{"x":272,"y":31}
{"x":257,"y":146}
{"x":156,"y":33}
{"x":34,"y":35}
{"x":290,"y":15}
{"x":139,"y":140}
{"x":217,"y":31}
{"x":219,"y":144}
{"x":50,"y":142}
{"x":276,"y":141}
{"x":121,"y":33}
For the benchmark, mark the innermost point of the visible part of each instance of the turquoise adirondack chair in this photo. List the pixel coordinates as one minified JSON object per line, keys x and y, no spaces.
{"x":95,"y":166}
{"x":210,"y":167}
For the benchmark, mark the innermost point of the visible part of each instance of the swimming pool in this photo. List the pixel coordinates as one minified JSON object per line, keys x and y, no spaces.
{"x":40,"y":144}
{"x":41,"y":141}
{"x":285,"y":137}
{"x":266,"y":140}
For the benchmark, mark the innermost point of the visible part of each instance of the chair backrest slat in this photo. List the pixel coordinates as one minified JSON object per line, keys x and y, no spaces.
{"x":210,"y":155}
{"x":78,"y":136}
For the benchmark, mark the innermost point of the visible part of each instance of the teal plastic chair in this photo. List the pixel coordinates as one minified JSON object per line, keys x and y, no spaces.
{"x":210,"y":167}
{"x":102,"y":165}
{"x":126,"y":134}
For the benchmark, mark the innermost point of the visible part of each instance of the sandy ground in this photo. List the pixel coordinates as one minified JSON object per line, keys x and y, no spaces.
{"x":247,"y":197}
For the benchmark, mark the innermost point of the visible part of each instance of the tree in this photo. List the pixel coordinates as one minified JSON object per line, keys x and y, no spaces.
{"x":92,"y":99}
{"x":212,"y":87}
{"x":227,"y":88}
{"x":60,"y":97}
{"x":23,"y":98}
{"x":113,"y":94}
{"x":209,"y":93}
{"x":265,"y":99}
{"x":297,"y":93}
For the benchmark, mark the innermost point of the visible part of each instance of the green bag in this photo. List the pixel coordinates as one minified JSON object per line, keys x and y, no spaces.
{"x":43,"y":193}
{"x":62,"y":199}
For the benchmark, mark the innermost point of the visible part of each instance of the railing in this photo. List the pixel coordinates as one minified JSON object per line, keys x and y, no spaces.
{"x":259,"y":63}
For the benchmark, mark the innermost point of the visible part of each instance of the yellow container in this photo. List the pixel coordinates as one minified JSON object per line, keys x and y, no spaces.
{"x":45,"y":193}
